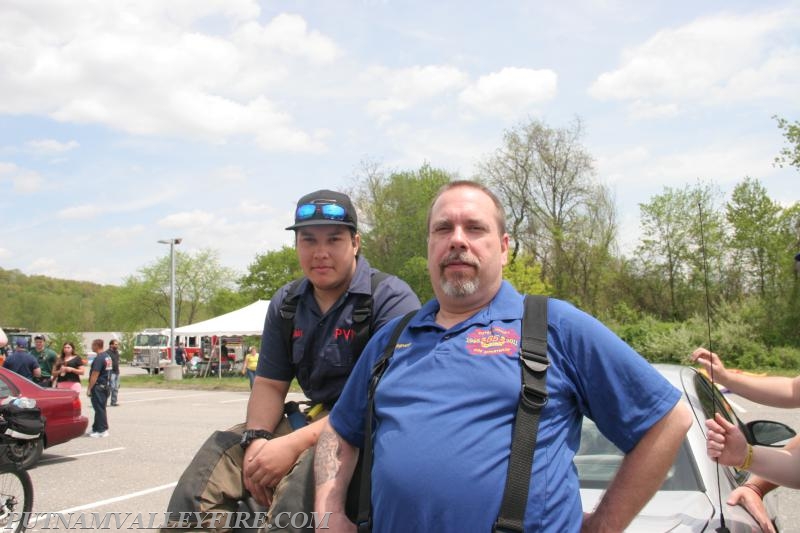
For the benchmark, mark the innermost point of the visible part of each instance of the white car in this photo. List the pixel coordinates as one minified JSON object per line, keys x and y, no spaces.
{"x":691,"y":496}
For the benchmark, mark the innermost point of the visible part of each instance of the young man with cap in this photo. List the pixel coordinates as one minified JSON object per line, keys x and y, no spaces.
{"x":46,"y":358}
{"x":320,"y":354}
{"x":22,"y":362}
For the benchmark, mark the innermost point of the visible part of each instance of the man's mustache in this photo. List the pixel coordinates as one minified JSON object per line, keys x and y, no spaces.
{"x":459,"y":257}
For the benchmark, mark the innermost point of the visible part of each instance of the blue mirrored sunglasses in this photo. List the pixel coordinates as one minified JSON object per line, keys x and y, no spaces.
{"x":328,"y":211}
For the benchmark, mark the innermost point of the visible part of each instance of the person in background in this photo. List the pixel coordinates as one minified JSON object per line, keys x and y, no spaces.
{"x":113,"y":353}
{"x":69,"y":369}
{"x":23,"y":362}
{"x":250,"y":365}
{"x":180,"y":356}
{"x":98,"y":388}
{"x":775,"y":391}
{"x":3,"y":343}
{"x":46,"y":358}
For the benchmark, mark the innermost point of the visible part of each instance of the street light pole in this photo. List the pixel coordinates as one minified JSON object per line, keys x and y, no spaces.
{"x":172,"y":243}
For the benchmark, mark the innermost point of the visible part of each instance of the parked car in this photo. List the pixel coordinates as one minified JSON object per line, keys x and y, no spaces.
{"x":61,"y":409}
{"x":690,"y":497}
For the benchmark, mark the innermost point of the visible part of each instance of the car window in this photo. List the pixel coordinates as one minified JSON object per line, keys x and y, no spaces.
{"x":598,"y":460}
{"x":712,"y":400}
{"x":5,"y":389}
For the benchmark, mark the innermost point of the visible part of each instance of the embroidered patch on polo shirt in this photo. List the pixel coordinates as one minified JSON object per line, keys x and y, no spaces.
{"x":495,"y":341}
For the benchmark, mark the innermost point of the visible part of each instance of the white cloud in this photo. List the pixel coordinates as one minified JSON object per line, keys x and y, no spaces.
{"x":715,"y":59}
{"x":80,"y":212}
{"x":23,"y":180}
{"x":120,"y":235}
{"x":145,"y":69}
{"x":403,"y":88}
{"x":289,"y":34}
{"x":189,"y":219}
{"x":52,"y":146}
{"x":4,"y":253}
{"x":724,"y":162}
{"x":510,"y":92}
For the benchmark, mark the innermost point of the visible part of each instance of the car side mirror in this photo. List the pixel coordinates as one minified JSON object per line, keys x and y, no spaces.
{"x":770,"y":433}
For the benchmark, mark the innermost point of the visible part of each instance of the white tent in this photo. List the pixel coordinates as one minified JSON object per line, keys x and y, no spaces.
{"x":248,"y":320}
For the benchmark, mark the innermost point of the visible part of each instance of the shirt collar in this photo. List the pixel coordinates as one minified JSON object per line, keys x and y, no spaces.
{"x":506,"y":305}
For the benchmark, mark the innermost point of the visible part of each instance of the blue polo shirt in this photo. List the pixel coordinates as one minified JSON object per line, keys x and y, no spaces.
{"x":446,"y":405}
{"x":322,"y":355}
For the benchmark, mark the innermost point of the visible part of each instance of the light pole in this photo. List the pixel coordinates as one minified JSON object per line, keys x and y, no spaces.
{"x":172,"y":243}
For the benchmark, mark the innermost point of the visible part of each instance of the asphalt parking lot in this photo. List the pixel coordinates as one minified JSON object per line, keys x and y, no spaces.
{"x":154,"y":434}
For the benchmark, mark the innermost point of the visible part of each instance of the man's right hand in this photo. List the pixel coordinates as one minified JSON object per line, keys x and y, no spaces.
{"x":754,"y":505}
{"x":266,"y":462}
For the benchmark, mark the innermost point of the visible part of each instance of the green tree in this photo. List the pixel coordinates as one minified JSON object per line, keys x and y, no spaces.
{"x":393,"y":211}
{"x":789,"y":155}
{"x":556,"y":209}
{"x":671,"y":254}
{"x":754,"y":219}
{"x":268,"y":272}
{"x":525,"y":274}
{"x":198,"y":279}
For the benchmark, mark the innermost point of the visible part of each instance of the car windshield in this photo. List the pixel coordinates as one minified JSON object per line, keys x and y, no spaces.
{"x":150,"y":340}
{"x":598,"y":460}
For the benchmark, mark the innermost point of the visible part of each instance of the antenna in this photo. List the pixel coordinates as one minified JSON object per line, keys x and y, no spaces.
{"x":722,"y":528}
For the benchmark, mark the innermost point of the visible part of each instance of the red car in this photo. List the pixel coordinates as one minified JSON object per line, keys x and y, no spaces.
{"x":61,"y":409}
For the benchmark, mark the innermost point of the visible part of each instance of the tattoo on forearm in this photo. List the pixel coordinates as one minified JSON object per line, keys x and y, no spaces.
{"x":327,"y":459}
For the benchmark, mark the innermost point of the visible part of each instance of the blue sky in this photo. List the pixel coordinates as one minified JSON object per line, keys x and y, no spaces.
{"x":126,"y":122}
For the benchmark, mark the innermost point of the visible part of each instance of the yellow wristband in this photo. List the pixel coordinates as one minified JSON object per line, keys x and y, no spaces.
{"x":748,"y":459}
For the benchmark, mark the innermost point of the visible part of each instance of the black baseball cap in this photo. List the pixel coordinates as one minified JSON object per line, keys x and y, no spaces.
{"x":324,"y":208}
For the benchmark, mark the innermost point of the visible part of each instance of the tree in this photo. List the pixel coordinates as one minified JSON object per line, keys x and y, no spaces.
{"x":671,"y":254}
{"x":270,"y":271}
{"x":393,"y":211}
{"x":556,"y":210}
{"x":789,"y":155}
{"x":754,"y":218}
{"x":198,"y":278}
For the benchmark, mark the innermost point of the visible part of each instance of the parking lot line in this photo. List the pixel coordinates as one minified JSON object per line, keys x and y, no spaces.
{"x":116,"y":499}
{"x":163,"y":398}
{"x":62,"y":457}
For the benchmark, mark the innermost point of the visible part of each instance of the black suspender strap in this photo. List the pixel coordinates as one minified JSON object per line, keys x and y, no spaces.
{"x":364,"y":517}
{"x":363,"y":315}
{"x":534,"y":362}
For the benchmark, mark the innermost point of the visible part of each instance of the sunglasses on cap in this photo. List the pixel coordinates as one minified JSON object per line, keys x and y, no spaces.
{"x":327,"y":211}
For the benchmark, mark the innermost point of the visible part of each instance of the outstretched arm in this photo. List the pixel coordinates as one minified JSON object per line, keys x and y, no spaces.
{"x":775,"y":391}
{"x":642,"y":471}
{"x":334,"y":463}
{"x":727,"y":444}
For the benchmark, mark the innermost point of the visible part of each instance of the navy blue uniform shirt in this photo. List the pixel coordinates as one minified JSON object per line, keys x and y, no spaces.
{"x":322,"y":357}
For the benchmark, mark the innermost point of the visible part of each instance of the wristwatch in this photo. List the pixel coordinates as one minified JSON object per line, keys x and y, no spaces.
{"x":252,"y":434}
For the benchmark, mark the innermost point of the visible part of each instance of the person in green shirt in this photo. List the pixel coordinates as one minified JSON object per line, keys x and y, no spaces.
{"x":46,"y":358}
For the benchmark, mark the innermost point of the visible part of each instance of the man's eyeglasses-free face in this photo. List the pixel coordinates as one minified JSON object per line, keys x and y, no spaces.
{"x":327,"y":211}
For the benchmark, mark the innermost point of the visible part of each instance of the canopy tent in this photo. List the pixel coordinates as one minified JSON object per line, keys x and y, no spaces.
{"x":248,"y":320}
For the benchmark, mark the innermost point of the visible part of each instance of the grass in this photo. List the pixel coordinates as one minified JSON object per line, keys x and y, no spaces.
{"x":228,"y":383}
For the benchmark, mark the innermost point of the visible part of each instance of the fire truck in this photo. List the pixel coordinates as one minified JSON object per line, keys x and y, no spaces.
{"x":152,"y":351}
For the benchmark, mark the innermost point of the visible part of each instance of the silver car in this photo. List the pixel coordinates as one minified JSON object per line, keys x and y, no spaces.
{"x":691,"y":496}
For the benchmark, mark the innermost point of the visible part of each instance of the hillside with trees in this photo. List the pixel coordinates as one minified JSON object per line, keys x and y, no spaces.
{"x":704,"y":263}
